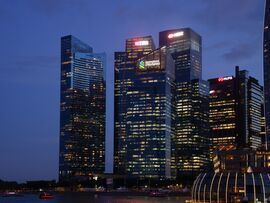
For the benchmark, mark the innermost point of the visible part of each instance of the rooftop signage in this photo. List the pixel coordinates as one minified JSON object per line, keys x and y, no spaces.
{"x":144,"y":64}
{"x":152,"y":63}
{"x":176,"y":34}
{"x":142,"y":43}
{"x":221,"y":79}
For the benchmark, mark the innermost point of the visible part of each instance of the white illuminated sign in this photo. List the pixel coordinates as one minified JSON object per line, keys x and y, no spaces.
{"x":176,"y":34}
{"x":225,"y":78}
{"x":141,"y":43}
{"x":152,"y":63}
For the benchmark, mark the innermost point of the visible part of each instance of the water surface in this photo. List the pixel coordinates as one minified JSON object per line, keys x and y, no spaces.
{"x":89,"y":198}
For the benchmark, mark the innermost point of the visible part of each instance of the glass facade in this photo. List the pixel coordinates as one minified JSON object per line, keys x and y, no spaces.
{"x":191,"y":127}
{"x":124,"y":75}
{"x":255,"y":113}
{"x":191,"y":140}
{"x":222,"y":112}
{"x":149,"y":117}
{"x":185,"y":45}
{"x":82,"y":112}
{"x":266,"y":62}
{"x":235,"y":111}
{"x":144,"y":111}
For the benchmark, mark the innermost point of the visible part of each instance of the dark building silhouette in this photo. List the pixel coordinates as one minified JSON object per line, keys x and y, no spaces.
{"x":235,"y":111}
{"x":82,"y":113}
{"x":266,"y":63}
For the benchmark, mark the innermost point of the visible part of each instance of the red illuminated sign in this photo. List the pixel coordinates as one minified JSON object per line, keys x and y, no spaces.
{"x":222,"y":79}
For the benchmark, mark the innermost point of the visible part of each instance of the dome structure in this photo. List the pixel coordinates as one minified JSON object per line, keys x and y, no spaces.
{"x":231,"y":187}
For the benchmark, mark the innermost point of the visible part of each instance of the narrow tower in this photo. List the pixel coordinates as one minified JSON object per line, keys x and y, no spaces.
{"x":266,"y":64}
{"x":82,"y":111}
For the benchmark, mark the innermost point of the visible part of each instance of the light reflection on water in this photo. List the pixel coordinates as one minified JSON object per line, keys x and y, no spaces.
{"x":86,"y":198}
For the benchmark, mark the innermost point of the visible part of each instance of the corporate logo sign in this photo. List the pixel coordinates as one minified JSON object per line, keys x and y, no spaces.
{"x":175,"y":35}
{"x":141,"y":65}
{"x":145,"y":65}
{"x":141,"y":43}
{"x":222,"y":79}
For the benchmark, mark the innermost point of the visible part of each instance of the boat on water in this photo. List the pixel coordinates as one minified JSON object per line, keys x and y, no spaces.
{"x":45,"y":195}
{"x":158,"y":194}
{"x":11,"y":194}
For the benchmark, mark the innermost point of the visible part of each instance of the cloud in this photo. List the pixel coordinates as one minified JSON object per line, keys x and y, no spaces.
{"x":31,"y":71}
{"x":52,"y":7}
{"x":38,"y":61}
{"x":152,"y":10}
{"x":26,"y":64}
{"x":230,"y":14}
{"x":217,"y":45}
{"x":240,"y":52}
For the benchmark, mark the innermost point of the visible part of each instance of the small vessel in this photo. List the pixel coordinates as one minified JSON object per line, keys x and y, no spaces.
{"x":122,"y":189}
{"x":11,"y":194}
{"x":157,"y":194}
{"x":45,"y":195}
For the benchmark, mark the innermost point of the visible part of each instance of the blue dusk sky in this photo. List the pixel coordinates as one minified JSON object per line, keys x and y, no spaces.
{"x":30,"y":60}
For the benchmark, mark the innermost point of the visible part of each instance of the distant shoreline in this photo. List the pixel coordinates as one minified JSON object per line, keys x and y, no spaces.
{"x":128,"y":193}
{"x":109,"y":193}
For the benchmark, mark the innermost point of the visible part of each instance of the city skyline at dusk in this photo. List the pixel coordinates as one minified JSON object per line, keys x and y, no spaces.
{"x":30,"y":61}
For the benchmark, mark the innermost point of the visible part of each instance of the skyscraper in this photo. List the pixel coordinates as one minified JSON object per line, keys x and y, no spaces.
{"x":222,"y":113}
{"x":185,"y":45}
{"x":191,"y":142}
{"x":144,"y":110}
{"x":124,"y":73}
{"x":266,"y":63}
{"x":236,"y":111}
{"x":82,"y":113}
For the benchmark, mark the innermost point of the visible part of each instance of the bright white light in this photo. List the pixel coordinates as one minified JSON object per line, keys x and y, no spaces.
{"x":152,"y":63}
{"x":176,"y":34}
{"x":141,"y":43}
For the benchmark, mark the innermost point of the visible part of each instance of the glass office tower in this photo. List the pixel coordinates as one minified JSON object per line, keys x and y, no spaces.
{"x":266,"y":63}
{"x":144,"y":111}
{"x":82,"y":112}
{"x":149,"y":117}
{"x":124,"y":74}
{"x":191,"y":100}
{"x":185,"y":45}
{"x":236,"y":111}
{"x":222,"y":112}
